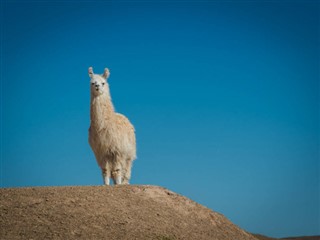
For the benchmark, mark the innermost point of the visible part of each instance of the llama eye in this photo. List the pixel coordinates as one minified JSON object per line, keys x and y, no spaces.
{"x":92,"y":83}
{"x":103,"y":83}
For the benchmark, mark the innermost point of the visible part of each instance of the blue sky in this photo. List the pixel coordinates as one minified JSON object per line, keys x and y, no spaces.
{"x":224,"y":97}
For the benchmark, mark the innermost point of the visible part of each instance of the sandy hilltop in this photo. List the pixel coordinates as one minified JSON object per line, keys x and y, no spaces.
{"x":113,"y":212}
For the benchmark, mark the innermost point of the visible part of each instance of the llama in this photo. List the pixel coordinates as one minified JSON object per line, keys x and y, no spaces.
{"x":111,"y":135}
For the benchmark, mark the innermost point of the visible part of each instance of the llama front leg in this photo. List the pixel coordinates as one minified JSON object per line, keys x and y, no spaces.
{"x":106,"y":176}
{"x":116,"y":172}
{"x":116,"y":176}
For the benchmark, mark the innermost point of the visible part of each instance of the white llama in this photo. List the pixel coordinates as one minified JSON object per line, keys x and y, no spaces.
{"x":111,"y":135}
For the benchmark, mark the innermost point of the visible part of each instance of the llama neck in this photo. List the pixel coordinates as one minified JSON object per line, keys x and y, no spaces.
{"x":101,"y":111}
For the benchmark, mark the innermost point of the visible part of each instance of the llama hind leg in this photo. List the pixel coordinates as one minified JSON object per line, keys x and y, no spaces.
{"x":127,"y":172}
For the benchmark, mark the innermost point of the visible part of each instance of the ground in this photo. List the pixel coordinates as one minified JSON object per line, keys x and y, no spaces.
{"x":110,"y":212}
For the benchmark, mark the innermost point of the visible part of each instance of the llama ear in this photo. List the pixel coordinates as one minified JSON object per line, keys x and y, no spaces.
{"x":90,"y":71}
{"x":106,"y":73}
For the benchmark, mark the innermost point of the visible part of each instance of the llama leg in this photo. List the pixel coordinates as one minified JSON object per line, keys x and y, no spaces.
{"x":106,"y":175}
{"x":116,"y":176}
{"x":117,"y":173}
{"x":127,"y":172}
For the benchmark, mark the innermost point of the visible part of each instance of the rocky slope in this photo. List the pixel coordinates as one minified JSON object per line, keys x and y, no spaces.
{"x":114,"y":212}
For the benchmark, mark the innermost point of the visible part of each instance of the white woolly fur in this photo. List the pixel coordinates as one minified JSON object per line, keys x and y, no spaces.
{"x":111,"y":135}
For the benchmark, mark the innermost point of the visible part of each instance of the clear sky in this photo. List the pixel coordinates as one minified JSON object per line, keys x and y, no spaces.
{"x":224,"y":97}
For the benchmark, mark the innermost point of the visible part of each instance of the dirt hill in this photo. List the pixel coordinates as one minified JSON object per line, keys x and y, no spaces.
{"x":117,"y":212}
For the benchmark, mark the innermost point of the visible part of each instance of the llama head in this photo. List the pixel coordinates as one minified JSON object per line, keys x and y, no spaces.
{"x":98,"y":83}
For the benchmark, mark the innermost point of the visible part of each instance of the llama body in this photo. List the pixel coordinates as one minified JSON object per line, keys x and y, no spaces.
{"x":111,"y":135}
